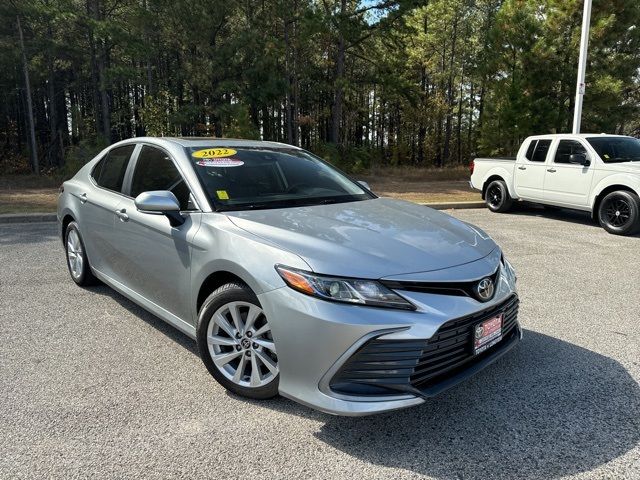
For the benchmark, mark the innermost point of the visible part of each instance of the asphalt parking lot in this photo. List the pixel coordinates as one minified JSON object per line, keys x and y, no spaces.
{"x":93,"y":386}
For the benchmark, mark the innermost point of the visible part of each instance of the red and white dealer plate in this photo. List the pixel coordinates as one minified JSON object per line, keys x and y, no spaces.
{"x":487,"y":334}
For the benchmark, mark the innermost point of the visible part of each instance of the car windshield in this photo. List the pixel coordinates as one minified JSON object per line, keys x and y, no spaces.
{"x":242,"y":178}
{"x":616,"y":149}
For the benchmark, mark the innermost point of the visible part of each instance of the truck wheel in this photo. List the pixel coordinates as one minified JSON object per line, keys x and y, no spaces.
{"x":497,"y":197}
{"x":619,"y":213}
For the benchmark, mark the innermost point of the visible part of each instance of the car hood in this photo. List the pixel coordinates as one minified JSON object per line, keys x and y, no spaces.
{"x":369,"y":239}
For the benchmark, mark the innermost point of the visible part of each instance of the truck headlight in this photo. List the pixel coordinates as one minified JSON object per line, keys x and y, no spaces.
{"x":339,"y":289}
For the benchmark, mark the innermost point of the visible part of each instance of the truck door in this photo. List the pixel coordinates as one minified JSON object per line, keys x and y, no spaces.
{"x":567,"y":183}
{"x":530,"y":170}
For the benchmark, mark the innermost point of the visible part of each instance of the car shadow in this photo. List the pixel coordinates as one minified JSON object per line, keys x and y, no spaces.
{"x":554,"y":213}
{"x":548,"y":409}
{"x":171,"y":332}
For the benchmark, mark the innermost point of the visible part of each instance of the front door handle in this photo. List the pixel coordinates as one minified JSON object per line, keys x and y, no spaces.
{"x":122,"y":215}
{"x":83,"y":197}
{"x":522,"y":168}
{"x":551,"y":170}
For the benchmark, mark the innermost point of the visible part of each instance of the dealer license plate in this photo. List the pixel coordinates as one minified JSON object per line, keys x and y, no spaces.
{"x":487,"y":334}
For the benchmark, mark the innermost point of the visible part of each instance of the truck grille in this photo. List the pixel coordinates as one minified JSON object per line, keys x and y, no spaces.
{"x":387,"y":367}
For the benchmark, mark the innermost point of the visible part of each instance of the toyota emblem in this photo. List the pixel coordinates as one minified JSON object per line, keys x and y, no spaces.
{"x":485,"y":289}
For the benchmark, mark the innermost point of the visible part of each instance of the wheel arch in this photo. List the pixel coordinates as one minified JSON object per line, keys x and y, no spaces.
{"x":67,"y":218}
{"x":219,"y":276}
{"x":606,"y":190}
{"x":494,"y":176}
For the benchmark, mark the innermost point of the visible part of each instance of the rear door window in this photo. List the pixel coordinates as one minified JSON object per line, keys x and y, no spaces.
{"x":156,"y":171}
{"x":109,"y":172}
{"x":541,"y":150}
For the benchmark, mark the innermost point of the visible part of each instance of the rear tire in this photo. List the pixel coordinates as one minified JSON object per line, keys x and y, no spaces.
{"x":77,"y":261}
{"x":497,"y":197}
{"x":235,"y":342}
{"x":619,"y":213}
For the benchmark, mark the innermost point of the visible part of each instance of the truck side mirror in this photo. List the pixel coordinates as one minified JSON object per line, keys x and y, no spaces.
{"x":579,"y":159}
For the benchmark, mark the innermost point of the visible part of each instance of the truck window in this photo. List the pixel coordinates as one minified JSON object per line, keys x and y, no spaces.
{"x":566,"y":148}
{"x":541,"y":150}
{"x":530,"y":149}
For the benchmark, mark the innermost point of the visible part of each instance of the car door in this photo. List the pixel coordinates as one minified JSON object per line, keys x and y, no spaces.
{"x":566,"y":183}
{"x":97,"y":208}
{"x":530,"y":171}
{"x":155,"y":258}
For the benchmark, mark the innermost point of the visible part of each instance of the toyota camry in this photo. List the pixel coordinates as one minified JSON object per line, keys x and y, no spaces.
{"x":292,"y":278}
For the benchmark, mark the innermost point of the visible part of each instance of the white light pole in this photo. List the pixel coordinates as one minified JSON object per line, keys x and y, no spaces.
{"x":582,"y":65}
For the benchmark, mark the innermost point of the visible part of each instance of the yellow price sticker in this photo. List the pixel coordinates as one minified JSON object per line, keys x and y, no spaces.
{"x":214,"y":153}
{"x":222,"y":194}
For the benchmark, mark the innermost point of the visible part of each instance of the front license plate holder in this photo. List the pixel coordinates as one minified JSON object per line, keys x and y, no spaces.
{"x":487,"y":333}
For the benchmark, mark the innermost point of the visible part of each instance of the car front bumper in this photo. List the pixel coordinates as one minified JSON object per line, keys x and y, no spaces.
{"x":315,"y":339}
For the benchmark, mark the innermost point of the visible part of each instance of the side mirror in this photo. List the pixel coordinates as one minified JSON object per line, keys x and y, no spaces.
{"x":364,"y":184}
{"x":160,"y":202}
{"x":579,"y":159}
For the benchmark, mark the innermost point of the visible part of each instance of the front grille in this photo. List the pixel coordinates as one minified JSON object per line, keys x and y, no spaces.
{"x":452,"y":345}
{"x":386,"y":367}
{"x":441,"y":288}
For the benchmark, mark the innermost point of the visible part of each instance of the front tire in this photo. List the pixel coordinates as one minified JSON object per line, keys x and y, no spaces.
{"x":619,"y":213}
{"x":77,"y":261}
{"x":235,"y":342}
{"x":497,"y":197}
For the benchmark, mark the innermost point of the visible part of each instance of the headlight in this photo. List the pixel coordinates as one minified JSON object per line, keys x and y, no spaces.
{"x":347,"y":290}
{"x":509,"y":270}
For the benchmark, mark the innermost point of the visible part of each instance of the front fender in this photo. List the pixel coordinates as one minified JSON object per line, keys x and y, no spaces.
{"x":220,"y":246}
{"x":618,"y":179}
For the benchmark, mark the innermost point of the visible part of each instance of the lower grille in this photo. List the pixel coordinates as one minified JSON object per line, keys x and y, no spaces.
{"x":387,"y":367}
{"x":452,"y":346}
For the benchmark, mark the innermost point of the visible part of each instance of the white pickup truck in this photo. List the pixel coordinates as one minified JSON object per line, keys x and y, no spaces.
{"x":596,"y":173}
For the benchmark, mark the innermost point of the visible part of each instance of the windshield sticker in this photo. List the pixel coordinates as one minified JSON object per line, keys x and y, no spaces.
{"x":214,"y":153}
{"x":220,"y":162}
{"x":222,"y":194}
{"x":606,"y":156}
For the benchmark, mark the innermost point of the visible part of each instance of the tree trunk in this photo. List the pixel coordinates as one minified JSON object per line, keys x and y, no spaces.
{"x":27,"y":86}
{"x":448,"y":127}
{"x":336,"y":111}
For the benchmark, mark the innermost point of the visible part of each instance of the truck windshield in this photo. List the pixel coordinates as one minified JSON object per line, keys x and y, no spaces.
{"x":241,"y":178}
{"x":616,"y":149}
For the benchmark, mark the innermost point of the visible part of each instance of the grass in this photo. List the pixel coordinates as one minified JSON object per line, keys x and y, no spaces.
{"x":422,"y":185}
{"x":28,"y":194}
{"x":38,"y":194}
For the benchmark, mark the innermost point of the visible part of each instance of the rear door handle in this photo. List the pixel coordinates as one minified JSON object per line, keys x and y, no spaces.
{"x":522,"y":168}
{"x":83,"y":197}
{"x":551,"y":170}
{"x":122,"y":215}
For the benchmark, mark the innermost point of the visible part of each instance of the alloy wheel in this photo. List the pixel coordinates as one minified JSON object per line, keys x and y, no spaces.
{"x":494,"y":195}
{"x":75,"y":254}
{"x":241,"y":346}
{"x":617,"y":212}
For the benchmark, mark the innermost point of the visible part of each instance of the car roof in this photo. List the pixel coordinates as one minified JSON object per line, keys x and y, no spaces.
{"x":225,"y":142}
{"x":203,"y":142}
{"x":551,"y":136}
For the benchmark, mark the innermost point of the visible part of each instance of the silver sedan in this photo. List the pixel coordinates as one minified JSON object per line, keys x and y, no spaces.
{"x":292,"y":278}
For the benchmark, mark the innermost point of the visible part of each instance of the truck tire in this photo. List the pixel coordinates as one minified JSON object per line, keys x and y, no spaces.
{"x":497,"y":197}
{"x":619,"y":213}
